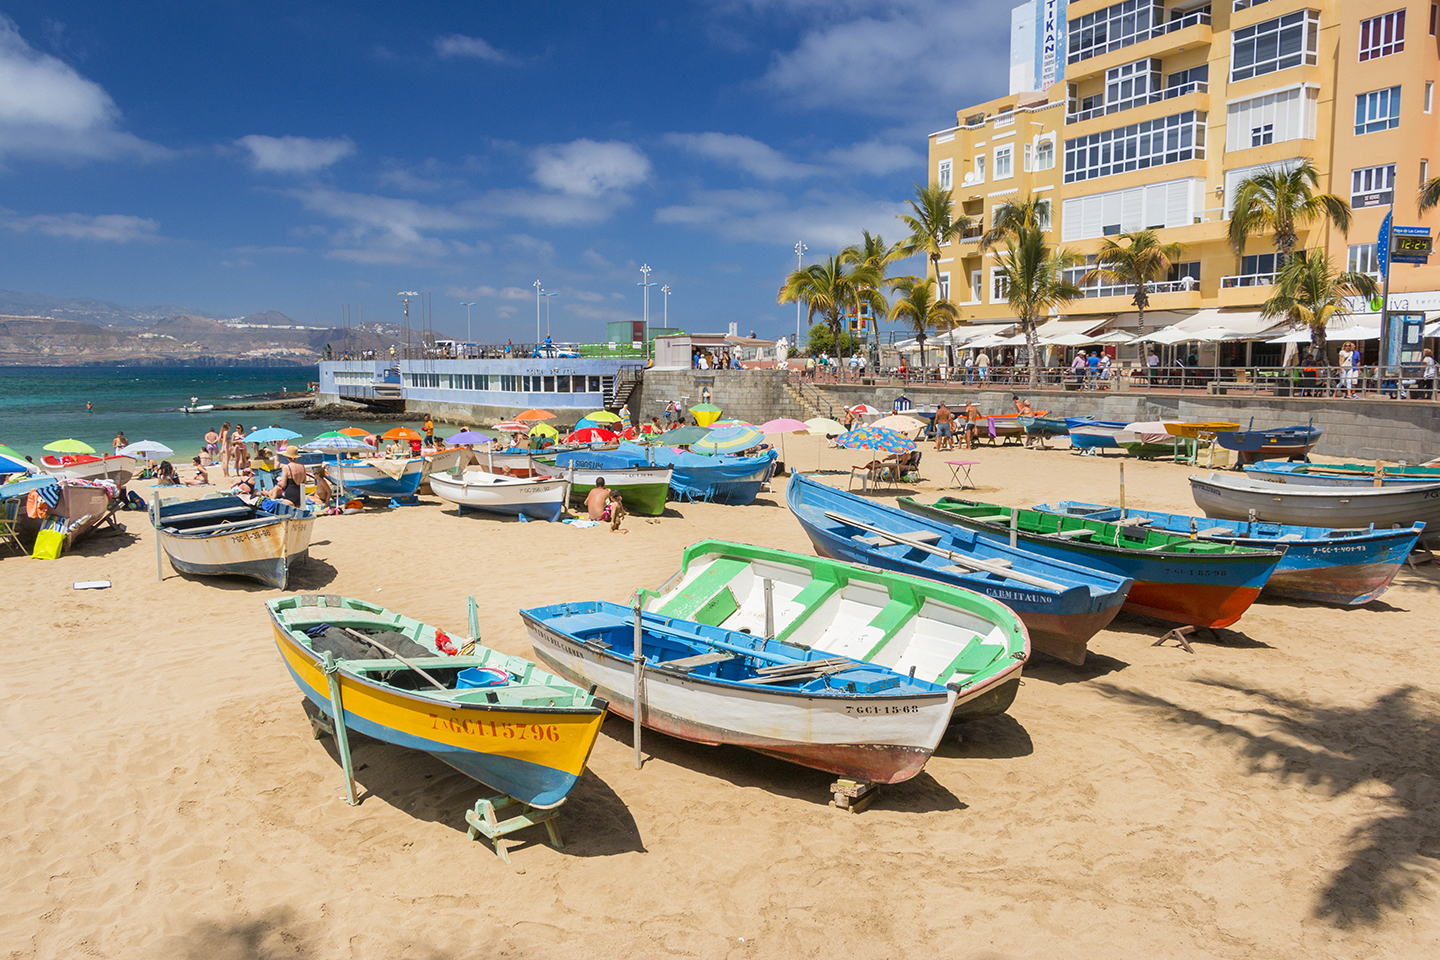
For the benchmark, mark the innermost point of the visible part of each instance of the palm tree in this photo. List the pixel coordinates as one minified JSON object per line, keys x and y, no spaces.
{"x":1430,"y":194}
{"x":920,"y":309}
{"x":1008,"y":219}
{"x":872,"y":252}
{"x":1135,"y":260}
{"x":1279,"y":201}
{"x":1309,"y":293}
{"x":933,"y":225}
{"x":832,"y":289}
{"x":1036,"y":284}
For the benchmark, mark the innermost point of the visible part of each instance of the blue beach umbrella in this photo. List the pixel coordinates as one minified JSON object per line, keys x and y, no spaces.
{"x":336,"y":444}
{"x":9,"y":464}
{"x":875,"y":438}
{"x":271,"y":435}
{"x":728,"y":440}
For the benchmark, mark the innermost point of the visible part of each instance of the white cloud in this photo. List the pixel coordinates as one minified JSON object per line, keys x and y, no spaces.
{"x":825,"y":222}
{"x":111,"y":228}
{"x":750,"y":155}
{"x":878,"y":158}
{"x":908,"y":59}
{"x":385,"y":229}
{"x":294,"y":154}
{"x":48,"y":109}
{"x":593,"y":258}
{"x":459,"y":45}
{"x":589,"y":169}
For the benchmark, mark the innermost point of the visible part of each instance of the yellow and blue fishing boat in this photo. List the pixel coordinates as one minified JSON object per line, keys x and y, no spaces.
{"x":498,"y":719}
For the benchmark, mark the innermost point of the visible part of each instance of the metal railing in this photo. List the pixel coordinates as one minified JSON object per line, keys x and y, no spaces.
{"x":1179,"y":90}
{"x":1248,"y":280}
{"x":1140,"y":36}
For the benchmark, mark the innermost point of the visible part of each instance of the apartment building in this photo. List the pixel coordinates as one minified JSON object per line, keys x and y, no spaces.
{"x":1158,"y":110}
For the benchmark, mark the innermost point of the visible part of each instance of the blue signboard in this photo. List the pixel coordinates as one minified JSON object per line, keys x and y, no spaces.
{"x":1410,"y":245}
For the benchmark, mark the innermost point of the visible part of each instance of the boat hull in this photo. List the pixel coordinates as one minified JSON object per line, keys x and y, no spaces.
{"x":1234,"y":498}
{"x":533,"y":498}
{"x":1298,"y":475}
{"x":871,"y":738}
{"x":117,"y":468}
{"x":1342,"y":567}
{"x":643,"y":489}
{"x":1253,"y":446}
{"x":1094,"y":437}
{"x":1060,"y":622}
{"x":365,"y":479}
{"x":264,"y":551}
{"x":468,"y":737}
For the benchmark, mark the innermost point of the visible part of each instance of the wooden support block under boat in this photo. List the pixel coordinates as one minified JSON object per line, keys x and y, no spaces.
{"x":484,"y":819}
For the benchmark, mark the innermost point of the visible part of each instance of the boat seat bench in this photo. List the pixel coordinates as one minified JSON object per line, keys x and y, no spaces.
{"x":238,"y":510}
{"x":686,"y":664}
{"x":888,"y":621}
{"x":708,"y":599}
{"x":976,"y":656}
{"x":225,"y":526}
{"x":923,"y":536}
{"x":1072,"y":534}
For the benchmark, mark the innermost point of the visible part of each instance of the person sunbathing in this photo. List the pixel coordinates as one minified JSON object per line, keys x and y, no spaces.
{"x":201,"y":478}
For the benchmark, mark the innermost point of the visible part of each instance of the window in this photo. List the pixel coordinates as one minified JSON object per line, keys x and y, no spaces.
{"x":1259,"y":265}
{"x":1194,"y":75}
{"x":1383,"y":35}
{"x":549,"y":384}
{"x":1029,"y":158}
{"x":945,"y":177}
{"x":1289,"y":115}
{"x":999,"y":284}
{"x":1112,"y":28}
{"x":594,"y":385}
{"x":1286,"y":41}
{"x":980,"y":169}
{"x":1377,"y":110}
{"x":944,"y":288}
{"x":1424,"y":173}
{"x":1043,"y":209}
{"x":1138,"y":146}
{"x":1005,"y":162}
{"x":1363,"y":258}
{"x":1372,"y":186}
{"x":1261,"y":135}
{"x":975,"y":284}
{"x":1045,"y":154}
{"x":1185,"y":275}
{"x":1131,"y":84}
{"x":1434,"y":17}
{"x":1171,"y":203}
{"x":1429,"y":95}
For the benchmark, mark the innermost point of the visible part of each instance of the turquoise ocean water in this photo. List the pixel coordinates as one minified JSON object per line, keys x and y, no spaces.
{"x":42,"y":404}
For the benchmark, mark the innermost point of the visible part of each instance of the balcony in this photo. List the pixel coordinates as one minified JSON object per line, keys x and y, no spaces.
{"x":1161,"y":41}
{"x":1198,"y":18}
{"x":1179,"y":90}
{"x":1247,"y":280}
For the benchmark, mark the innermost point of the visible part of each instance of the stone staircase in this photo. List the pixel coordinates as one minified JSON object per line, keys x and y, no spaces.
{"x":807,"y":402}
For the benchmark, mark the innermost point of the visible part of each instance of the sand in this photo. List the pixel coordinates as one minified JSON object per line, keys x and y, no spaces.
{"x":1274,"y":794}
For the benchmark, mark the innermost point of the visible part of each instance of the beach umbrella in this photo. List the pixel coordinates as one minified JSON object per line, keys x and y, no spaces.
{"x":728,"y":440}
{"x":592,"y":435}
{"x":401,"y":433}
{"x":682,"y":437}
{"x":873,"y":438}
{"x":10,"y":452}
{"x":9,"y":464}
{"x":544,"y":430}
{"x":535,"y":415}
{"x":863,"y":410}
{"x":355,"y":432}
{"x":512,"y":426}
{"x":272,"y":435}
{"x":69,"y":445}
{"x":335,"y":441}
{"x":824,"y":426}
{"x":146,"y":450}
{"x":636,"y":433}
{"x":705,"y":414}
{"x":467,"y":437}
{"x":909,"y":426}
{"x":783,"y":425}
{"x":603,"y":416}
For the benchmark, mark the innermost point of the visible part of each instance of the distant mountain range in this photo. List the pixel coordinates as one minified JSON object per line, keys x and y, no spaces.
{"x":37,"y":329}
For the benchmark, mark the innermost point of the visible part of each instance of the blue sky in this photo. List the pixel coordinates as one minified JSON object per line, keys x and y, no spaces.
{"x":298,"y":156}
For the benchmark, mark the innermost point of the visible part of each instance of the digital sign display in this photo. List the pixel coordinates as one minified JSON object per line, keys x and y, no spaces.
{"x":1412,"y":245}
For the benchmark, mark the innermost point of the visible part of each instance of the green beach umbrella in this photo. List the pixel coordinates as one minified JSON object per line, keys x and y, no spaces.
{"x":603,"y":416}
{"x":69,"y":445}
{"x":10,"y":452}
{"x":728,"y":440}
{"x":682,"y":437}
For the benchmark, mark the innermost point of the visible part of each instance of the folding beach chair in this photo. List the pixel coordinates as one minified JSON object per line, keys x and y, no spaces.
{"x":8,"y":516}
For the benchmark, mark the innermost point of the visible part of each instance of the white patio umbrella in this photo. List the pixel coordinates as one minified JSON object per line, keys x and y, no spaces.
{"x":146,"y":450}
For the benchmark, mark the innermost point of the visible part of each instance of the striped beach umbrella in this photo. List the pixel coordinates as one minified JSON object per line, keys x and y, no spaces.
{"x":728,"y":440}
{"x":875,"y":438}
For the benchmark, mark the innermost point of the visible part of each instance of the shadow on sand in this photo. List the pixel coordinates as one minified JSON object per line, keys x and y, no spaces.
{"x":1394,"y":740}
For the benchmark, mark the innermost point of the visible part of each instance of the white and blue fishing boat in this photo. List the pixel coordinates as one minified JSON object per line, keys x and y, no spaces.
{"x":1319,"y":475}
{"x":1345,"y":567}
{"x":1088,"y":434}
{"x":694,"y":476}
{"x":497,"y":719}
{"x":381,"y":478}
{"x":225,"y":536}
{"x":1253,"y":446}
{"x":711,"y":685}
{"x":1062,"y":604}
{"x":1243,"y":498}
{"x":534,"y":498}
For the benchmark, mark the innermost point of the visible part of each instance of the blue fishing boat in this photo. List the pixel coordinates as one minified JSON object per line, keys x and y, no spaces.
{"x":1062,"y":604}
{"x":1345,"y":567}
{"x":380,"y":478}
{"x":226,"y":536}
{"x":693,"y":476}
{"x":1089,"y":434}
{"x":1320,"y":475}
{"x":1252,"y":446}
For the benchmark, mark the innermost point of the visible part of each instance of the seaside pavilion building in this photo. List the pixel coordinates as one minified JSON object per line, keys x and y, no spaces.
{"x":1143,"y":114}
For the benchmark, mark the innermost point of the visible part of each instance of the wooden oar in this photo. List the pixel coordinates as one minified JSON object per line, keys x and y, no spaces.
{"x":959,"y":560}
{"x":391,"y":653}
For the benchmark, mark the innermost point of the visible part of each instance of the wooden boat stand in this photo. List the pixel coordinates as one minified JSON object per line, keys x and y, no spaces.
{"x":1180,"y":635}
{"x":484,"y":819}
{"x":852,"y":795}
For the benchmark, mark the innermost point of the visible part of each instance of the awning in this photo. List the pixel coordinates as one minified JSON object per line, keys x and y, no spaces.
{"x":1154,"y":319}
{"x":1332,"y":332}
{"x":1167,"y":336}
{"x":1432,"y":330}
{"x":1242,"y":324}
{"x":1072,"y":324}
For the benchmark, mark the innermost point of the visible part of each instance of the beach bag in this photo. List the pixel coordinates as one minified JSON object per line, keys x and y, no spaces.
{"x":48,"y":544}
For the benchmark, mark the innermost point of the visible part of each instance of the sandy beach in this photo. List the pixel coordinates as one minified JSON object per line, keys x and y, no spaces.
{"x":1272,"y":794}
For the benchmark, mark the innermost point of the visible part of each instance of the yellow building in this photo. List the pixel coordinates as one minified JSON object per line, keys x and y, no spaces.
{"x":1159,"y":109}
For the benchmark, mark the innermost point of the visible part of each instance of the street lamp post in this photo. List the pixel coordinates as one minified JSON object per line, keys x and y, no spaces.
{"x":666,"y":290}
{"x":405,"y":296}
{"x":467,"y":307}
{"x":645,"y":286}
{"x":547,"y":297}
{"x":537,"y":314}
{"x":800,"y":249}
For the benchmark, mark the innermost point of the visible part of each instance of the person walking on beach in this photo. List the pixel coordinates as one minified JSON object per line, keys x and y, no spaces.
{"x":429,"y":431}
{"x":225,"y":449}
{"x":982,"y":366}
{"x":972,"y":424}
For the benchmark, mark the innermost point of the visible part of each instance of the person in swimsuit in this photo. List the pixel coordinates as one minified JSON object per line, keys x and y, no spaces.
{"x":290,"y":480}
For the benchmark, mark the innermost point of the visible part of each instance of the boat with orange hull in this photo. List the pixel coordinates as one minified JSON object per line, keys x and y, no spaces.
{"x":1195,"y":582}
